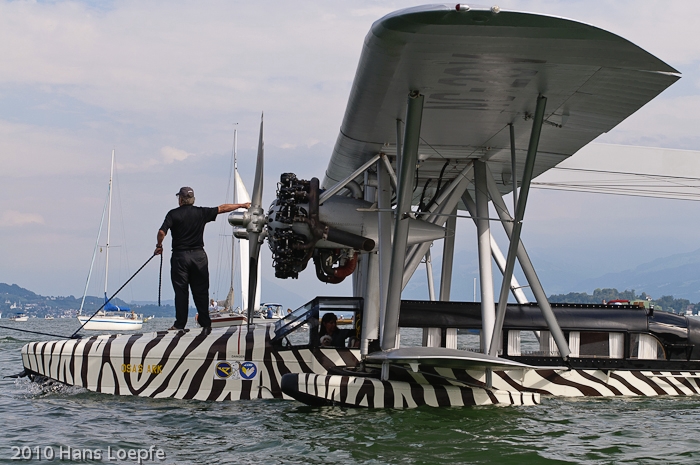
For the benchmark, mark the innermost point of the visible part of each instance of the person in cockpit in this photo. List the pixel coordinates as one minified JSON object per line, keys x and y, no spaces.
{"x":329,"y":334}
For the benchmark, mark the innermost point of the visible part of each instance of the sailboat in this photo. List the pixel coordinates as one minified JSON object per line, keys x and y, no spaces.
{"x":229,"y":315}
{"x":110,"y":317}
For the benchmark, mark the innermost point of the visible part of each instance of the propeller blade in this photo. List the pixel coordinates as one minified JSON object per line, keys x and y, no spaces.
{"x":256,"y":200}
{"x":255,"y":226}
{"x":254,"y":252}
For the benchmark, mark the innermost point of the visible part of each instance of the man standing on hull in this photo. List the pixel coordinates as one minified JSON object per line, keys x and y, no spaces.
{"x":189,"y":266}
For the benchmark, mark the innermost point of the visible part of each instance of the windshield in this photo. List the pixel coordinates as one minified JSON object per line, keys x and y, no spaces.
{"x":307,"y":316}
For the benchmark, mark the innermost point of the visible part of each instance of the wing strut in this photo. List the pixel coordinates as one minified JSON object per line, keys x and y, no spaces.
{"x":448,"y":251}
{"x":524,"y":259}
{"x":483,"y":232}
{"x":515,"y":240}
{"x":513,"y":168}
{"x":409,"y":158}
{"x":496,"y":253}
{"x":384,"y":246}
{"x":333,"y":190}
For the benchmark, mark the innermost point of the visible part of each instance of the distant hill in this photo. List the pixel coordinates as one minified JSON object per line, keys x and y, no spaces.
{"x":14,"y":298}
{"x":8,"y":290}
{"x":677,"y":275}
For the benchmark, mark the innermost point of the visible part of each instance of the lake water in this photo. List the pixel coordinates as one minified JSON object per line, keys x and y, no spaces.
{"x":38,"y":423}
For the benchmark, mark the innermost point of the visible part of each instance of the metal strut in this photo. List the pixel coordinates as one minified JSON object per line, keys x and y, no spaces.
{"x":333,"y":190}
{"x":384,"y":245}
{"x":483,"y":231}
{"x":409,"y":158}
{"x":515,"y":240}
{"x":495,"y":250}
{"x":523,"y":258}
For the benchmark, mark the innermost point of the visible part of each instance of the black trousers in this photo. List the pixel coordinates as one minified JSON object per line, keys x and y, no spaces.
{"x":189,"y":269}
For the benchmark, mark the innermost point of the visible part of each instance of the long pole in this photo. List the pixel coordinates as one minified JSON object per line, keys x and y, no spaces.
{"x":233,"y":238}
{"x":409,"y":157}
{"x":94,"y":253}
{"x":109,"y":221}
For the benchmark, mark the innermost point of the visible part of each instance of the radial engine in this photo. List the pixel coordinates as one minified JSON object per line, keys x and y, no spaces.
{"x":298,"y":229}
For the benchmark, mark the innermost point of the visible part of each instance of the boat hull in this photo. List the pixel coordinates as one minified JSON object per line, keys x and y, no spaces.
{"x":110,"y":324}
{"x":455,"y":388}
{"x":224,"y":364}
{"x":232,"y":364}
{"x":222,"y":321}
{"x":353,"y":391}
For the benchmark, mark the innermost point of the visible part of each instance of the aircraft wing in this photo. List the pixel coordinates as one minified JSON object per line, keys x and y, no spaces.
{"x":480,"y":71}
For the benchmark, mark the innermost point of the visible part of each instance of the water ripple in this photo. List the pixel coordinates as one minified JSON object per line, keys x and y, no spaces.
{"x":572,"y":431}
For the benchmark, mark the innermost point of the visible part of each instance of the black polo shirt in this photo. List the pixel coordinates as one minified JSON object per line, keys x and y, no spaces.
{"x":187,"y":224}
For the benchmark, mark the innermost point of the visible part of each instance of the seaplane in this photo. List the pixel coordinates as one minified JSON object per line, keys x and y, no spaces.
{"x":452,"y":108}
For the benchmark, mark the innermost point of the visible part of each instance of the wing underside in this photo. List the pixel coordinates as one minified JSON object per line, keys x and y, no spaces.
{"x":481,"y":71}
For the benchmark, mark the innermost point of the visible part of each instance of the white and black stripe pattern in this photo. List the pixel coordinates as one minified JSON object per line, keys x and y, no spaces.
{"x":186,"y":364}
{"x":580,"y":383}
{"x":445,"y":387}
{"x":354,"y":391}
{"x":600,"y":383}
{"x":176,"y":364}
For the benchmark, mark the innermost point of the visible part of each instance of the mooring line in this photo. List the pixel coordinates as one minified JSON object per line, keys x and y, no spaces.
{"x":72,"y":336}
{"x":35,"y":332}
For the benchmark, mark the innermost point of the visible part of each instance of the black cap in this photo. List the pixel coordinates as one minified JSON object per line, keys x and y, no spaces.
{"x":186,"y":192}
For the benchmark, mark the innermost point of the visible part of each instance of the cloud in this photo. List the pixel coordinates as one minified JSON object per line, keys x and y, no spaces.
{"x":171,"y":154}
{"x":12,"y":218}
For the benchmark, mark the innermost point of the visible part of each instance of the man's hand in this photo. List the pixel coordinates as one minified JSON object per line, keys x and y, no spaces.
{"x":159,"y":250}
{"x":229,"y":207}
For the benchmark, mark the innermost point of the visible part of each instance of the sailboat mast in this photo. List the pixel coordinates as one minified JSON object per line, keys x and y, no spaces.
{"x":109,"y":221}
{"x":233,"y":238}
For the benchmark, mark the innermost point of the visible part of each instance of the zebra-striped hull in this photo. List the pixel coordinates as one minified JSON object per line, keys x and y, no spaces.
{"x":353,"y":391}
{"x":230,"y":364}
{"x":601,"y":383}
{"x":444,"y":387}
{"x":227,"y":364}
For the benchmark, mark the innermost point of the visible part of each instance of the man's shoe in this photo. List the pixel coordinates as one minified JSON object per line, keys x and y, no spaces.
{"x":206,"y":330}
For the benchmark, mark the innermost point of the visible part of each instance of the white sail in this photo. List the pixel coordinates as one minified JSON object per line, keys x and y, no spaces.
{"x":243,"y":197}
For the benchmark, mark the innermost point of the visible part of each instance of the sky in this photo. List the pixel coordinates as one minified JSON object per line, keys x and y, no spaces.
{"x":164,"y":84}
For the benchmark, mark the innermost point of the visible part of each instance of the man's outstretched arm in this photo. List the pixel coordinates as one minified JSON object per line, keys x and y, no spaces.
{"x":229,"y":207}
{"x":159,"y":243}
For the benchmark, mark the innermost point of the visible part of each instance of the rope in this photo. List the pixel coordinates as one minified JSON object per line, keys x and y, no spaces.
{"x":72,"y":336}
{"x":160,"y":278}
{"x":35,"y":332}
{"x":113,"y":295}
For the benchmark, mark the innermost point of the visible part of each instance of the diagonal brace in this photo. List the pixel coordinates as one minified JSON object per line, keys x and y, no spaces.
{"x":515,"y":236}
